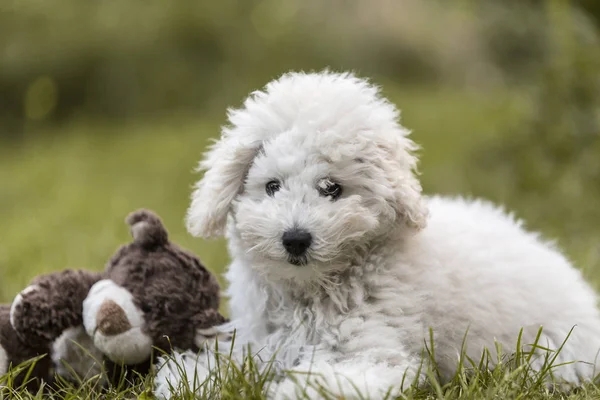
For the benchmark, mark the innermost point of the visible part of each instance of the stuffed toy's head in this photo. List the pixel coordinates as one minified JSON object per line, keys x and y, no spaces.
{"x":154,"y":294}
{"x":50,"y":305}
{"x":13,"y":351}
{"x":46,"y":319}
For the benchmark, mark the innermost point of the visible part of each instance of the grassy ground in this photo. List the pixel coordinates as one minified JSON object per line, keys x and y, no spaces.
{"x":63,"y":199}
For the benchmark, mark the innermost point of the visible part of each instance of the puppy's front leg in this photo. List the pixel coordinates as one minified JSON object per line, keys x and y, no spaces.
{"x":350,"y":379}
{"x":192,"y":372}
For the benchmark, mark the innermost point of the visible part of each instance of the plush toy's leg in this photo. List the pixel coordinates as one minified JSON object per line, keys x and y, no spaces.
{"x":3,"y":361}
{"x":74,"y":352}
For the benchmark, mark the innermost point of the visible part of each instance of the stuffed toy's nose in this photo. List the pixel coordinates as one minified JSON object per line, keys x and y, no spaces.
{"x":111,"y":319}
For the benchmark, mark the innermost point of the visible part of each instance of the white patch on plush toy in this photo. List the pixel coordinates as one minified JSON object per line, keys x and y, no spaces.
{"x":132,"y":347}
{"x":74,"y":351}
{"x":139,"y":230}
{"x":18,"y":299}
{"x":3,"y":361}
{"x":121,"y":339}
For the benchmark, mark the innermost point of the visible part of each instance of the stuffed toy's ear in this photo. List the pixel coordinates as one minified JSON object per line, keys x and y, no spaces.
{"x":226,"y":165}
{"x":147,"y":228}
{"x":50,"y":305}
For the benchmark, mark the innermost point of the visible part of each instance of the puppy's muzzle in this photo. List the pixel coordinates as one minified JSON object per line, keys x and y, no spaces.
{"x":296,"y":242}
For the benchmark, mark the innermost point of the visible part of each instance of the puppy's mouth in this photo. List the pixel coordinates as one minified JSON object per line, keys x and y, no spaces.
{"x":298,"y":261}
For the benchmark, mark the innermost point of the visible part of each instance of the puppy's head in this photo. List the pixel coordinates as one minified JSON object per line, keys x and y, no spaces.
{"x":311,"y":170}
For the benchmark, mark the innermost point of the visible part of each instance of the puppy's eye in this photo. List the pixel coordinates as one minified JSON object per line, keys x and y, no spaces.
{"x":272,"y":187}
{"x":327,"y":188}
{"x":146,"y":308}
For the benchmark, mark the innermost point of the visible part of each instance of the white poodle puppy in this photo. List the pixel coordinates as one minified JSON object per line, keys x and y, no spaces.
{"x":341,"y":267}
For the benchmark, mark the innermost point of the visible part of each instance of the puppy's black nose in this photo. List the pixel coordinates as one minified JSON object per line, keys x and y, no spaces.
{"x":296,"y":241}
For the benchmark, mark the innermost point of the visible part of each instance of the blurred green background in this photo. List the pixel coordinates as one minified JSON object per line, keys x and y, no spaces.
{"x":106,"y":106}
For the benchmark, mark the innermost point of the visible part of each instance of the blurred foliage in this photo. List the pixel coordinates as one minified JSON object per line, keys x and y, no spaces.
{"x":105,"y":106}
{"x":121,"y":59}
{"x":553,"y":152}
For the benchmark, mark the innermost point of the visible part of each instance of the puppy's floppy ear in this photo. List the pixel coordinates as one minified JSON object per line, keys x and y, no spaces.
{"x":410,"y":205}
{"x":225,"y":164}
{"x":408,"y":202}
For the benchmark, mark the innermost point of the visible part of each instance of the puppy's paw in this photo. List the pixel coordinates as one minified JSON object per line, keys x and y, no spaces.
{"x":343,"y":381}
{"x":180,"y":374}
{"x":291,"y":389}
{"x":314,"y":385}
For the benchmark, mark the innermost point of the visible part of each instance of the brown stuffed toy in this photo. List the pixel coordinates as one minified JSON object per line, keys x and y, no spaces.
{"x":152,"y":294}
{"x":43,"y":322}
{"x":13,"y":352}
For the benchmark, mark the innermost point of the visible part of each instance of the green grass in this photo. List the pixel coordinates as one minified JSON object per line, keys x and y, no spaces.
{"x":64,"y":198}
{"x":66,"y":191}
{"x":497,"y":374}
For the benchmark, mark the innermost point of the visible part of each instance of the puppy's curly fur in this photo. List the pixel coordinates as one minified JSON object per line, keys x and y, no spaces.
{"x":383,"y":264}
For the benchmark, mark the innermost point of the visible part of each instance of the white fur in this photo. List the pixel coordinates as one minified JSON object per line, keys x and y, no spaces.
{"x":18,"y":299}
{"x":380,"y":271}
{"x":3,"y":361}
{"x":130,"y":347}
{"x":169,"y":375}
{"x":74,"y":350}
